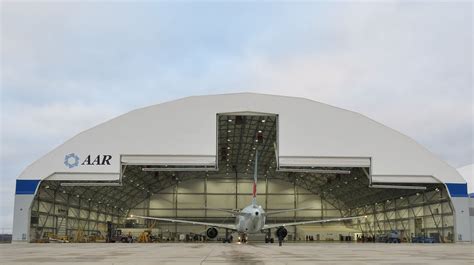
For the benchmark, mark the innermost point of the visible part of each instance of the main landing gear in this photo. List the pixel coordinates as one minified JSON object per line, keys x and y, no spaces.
{"x":228,"y":238}
{"x":269,"y":240}
{"x":268,"y":237}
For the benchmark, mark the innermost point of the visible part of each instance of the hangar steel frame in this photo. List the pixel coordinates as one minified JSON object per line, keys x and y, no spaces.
{"x":63,"y":209}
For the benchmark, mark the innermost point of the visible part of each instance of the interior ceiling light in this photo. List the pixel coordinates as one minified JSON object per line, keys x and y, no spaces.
{"x":230,"y":120}
{"x":229,"y":131}
{"x":253,"y":148}
{"x":259,"y":131}
{"x":401,"y":198}
{"x":228,"y":147}
{"x":263,"y":120}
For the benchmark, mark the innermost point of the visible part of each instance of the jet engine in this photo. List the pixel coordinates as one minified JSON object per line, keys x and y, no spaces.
{"x":281,"y":233}
{"x":211,"y":232}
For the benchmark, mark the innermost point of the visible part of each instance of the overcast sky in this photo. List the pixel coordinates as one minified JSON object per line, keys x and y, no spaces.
{"x":68,"y":66}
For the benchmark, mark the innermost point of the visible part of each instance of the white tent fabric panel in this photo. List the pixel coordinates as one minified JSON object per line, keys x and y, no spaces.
{"x":467,"y":172}
{"x":164,"y":160}
{"x":187,"y":127}
{"x":285,"y":161}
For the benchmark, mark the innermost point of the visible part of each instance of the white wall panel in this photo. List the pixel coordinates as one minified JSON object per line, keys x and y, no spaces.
{"x":280,"y":187}
{"x":191,"y":213}
{"x":224,"y":186}
{"x":281,"y":201}
{"x":220,"y":201}
{"x":190,"y":201}
{"x":168,"y":213}
{"x":308,"y":213}
{"x":245,"y":187}
{"x":162,"y":201}
{"x":191,"y":186}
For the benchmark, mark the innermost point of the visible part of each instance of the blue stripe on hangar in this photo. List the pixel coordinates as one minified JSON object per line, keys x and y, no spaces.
{"x":26,"y":186}
{"x":457,"y":189}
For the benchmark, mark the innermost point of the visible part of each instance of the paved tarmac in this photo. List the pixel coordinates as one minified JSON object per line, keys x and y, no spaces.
{"x":251,"y":254}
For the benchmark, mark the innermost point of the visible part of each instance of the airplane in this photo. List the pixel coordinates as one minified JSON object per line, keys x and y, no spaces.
{"x":250,"y":220}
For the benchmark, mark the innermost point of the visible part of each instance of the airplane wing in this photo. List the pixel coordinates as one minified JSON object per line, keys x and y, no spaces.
{"x":287,"y":210}
{"x":268,"y":226}
{"x":227,"y":226}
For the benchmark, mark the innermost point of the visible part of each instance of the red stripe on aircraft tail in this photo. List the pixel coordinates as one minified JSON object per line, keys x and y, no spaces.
{"x":254,"y":189}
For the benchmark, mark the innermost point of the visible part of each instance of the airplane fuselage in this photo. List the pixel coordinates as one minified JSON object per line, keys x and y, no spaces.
{"x":250,"y":220}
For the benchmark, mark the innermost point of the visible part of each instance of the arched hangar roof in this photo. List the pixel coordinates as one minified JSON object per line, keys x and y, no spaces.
{"x":184,"y":132}
{"x":467,"y":172}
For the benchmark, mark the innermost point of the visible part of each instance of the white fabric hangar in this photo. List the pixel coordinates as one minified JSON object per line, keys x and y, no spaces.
{"x":345,"y":163}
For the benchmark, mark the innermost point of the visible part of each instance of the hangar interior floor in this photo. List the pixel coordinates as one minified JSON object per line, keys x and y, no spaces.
{"x":199,"y":253}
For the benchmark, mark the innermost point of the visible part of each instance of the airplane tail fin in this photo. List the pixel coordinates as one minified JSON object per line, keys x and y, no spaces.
{"x":254,"y":199}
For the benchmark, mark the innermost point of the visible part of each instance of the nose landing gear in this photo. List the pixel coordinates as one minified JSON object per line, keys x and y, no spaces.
{"x":243,"y":238}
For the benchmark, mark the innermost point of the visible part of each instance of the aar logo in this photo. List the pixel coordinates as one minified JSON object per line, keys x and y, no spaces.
{"x":71,"y":160}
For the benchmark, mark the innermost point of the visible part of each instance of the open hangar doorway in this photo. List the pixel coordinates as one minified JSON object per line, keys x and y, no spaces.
{"x":82,"y":212}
